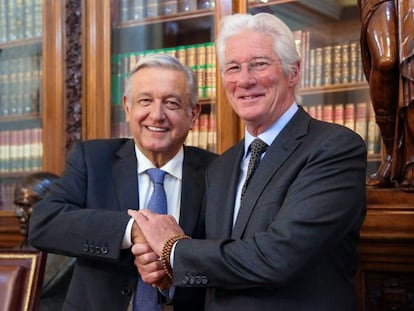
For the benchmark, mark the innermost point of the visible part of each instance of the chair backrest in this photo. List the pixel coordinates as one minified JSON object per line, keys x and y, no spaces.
{"x":21,"y":278}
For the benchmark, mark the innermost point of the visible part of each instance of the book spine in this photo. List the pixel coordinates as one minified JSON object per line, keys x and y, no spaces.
{"x":339,"y":114}
{"x":327,"y":65}
{"x":345,"y":63}
{"x":361,"y":117}
{"x":327,"y":113}
{"x":349,"y":116}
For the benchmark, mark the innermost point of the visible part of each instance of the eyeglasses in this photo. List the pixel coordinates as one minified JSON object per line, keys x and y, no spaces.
{"x":255,"y":66}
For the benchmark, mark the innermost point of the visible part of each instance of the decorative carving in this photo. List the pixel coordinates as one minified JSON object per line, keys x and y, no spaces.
{"x":389,"y":292}
{"x":73,"y":72}
{"x":387,"y":47}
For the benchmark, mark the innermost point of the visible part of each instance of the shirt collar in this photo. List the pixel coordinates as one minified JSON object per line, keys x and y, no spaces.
{"x":271,"y":133}
{"x":172,"y":167}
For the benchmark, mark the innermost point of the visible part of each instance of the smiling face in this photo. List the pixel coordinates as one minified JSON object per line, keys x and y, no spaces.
{"x":261,"y":97}
{"x":159,"y":113}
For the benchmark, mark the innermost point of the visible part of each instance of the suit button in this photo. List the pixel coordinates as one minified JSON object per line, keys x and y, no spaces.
{"x":192,"y":280}
{"x":97,"y":250}
{"x":186,"y":279}
{"x":198,"y":280}
{"x":126,"y":291}
{"x":91,"y":248}
{"x":104,"y":250}
{"x":85,"y":247}
{"x":204,"y":280}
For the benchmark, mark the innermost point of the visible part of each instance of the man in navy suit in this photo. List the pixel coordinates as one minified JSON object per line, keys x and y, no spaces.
{"x":85,"y":213}
{"x":290,"y":242}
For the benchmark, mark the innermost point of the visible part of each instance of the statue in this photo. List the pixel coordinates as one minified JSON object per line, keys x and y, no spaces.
{"x":387,"y":48}
{"x":27,"y":192}
{"x":58,"y":272}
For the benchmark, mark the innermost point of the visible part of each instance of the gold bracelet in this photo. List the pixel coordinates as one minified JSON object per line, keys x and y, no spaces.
{"x":166,"y":253}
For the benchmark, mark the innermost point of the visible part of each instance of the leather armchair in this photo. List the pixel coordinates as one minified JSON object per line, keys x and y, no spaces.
{"x":21,"y":278}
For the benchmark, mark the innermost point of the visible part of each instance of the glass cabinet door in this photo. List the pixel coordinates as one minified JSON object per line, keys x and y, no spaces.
{"x":333,"y":84}
{"x":182,"y":28}
{"x":20,"y":93}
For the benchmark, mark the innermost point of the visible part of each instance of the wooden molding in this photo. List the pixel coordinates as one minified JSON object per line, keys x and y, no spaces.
{"x":73,"y":72}
{"x":229,"y":126}
{"x":390,"y":216}
{"x":96,"y":103}
{"x":10,"y":236}
{"x":53,"y":113}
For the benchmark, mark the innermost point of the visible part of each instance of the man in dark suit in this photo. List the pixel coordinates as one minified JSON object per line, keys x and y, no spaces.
{"x":289,"y":241}
{"x":85,"y":213}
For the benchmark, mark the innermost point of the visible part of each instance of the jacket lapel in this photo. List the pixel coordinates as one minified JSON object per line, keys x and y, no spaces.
{"x":278,"y":152}
{"x":222,"y":197}
{"x":124,"y":172}
{"x":190,"y":198}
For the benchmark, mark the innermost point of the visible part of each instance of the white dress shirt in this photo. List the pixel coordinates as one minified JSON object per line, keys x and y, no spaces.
{"x":268,"y":137}
{"x":172,"y":186}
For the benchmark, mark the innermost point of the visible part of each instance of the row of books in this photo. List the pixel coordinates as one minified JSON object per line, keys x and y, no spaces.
{"x":20,"y":19}
{"x":332,"y":64}
{"x":200,"y":57}
{"x":141,"y":9}
{"x":203,"y":134}
{"x":20,"y":83}
{"x":321,"y":66}
{"x":21,"y":150}
{"x":359,"y":117}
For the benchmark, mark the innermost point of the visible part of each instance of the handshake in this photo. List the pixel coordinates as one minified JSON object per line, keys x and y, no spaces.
{"x":153,"y":236}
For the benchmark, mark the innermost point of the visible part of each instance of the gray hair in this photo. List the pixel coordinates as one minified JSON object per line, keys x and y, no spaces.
{"x":168,"y":62}
{"x":283,"y":41}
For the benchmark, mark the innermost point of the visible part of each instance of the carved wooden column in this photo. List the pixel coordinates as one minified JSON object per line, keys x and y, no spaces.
{"x":73,"y":72}
{"x":385,"y":278}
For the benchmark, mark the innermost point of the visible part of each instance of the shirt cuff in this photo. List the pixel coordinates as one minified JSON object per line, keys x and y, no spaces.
{"x":172,"y":255}
{"x":126,"y":242}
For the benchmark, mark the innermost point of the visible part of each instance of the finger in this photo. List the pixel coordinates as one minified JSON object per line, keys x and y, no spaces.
{"x":150,"y":260}
{"x":132,"y":212}
{"x":142,"y":217}
{"x":147,"y":213}
{"x":153,"y":278}
{"x":153,"y":267}
{"x":165,"y":283}
{"x":141,"y":248}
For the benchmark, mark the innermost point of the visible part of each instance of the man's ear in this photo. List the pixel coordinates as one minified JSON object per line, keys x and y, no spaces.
{"x":195,"y":112}
{"x":126,"y":107}
{"x":295,"y":74}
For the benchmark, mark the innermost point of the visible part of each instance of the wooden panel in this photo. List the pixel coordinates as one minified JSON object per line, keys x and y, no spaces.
{"x":10,"y":236}
{"x":229,"y":126}
{"x":54,"y":130}
{"x":97,"y":83}
{"x":385,"y":278}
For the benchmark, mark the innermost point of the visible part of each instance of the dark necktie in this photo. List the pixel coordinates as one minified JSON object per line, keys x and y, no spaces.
{"x":257,"y":147}
{"x":146,"y":297}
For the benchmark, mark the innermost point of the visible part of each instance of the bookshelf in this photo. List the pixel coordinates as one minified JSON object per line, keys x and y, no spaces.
{"x":21,"y":69}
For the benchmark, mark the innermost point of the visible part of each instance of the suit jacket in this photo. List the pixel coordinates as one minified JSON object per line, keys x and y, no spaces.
{"x":85,"y":216}
{"x":294,"y":243}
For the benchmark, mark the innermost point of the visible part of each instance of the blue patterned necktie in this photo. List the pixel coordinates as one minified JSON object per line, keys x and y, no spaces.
{"x":257,"y":147}
{"x":146,"y":297}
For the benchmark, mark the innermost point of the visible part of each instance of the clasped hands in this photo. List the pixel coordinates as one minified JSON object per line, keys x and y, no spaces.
{"x":150,"y":232}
